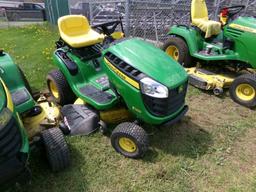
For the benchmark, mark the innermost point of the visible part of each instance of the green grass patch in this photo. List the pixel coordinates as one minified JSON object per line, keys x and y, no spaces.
{"x":31,"y":47}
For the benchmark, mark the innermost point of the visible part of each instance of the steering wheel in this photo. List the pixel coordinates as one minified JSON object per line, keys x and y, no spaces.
{"x":109,"y":27}
{"x":232,"y":10}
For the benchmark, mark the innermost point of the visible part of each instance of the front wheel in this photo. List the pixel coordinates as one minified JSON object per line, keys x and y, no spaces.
{"x":130,"y":140}
{"x":243,"y":90}
{"x":56,"y":148}
{"x":178,"y":49}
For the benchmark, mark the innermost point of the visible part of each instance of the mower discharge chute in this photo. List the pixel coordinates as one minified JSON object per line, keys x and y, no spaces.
{"x":25,"y":122}
{"x":117,"y":80}
{"x":225,"y":49}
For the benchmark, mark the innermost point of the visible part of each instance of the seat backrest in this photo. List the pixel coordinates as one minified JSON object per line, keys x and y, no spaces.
{"x":73,"y":25}
{"x":199,"y":10}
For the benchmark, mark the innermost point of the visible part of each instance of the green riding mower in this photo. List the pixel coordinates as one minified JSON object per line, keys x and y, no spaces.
{"x":24,"y":125}
{"x":118,"y":81}
{"x":217,"y":55}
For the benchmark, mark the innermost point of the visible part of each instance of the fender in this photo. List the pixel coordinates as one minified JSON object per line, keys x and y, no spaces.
{"x":13,"y":79}
{"x":72,"y":74}
{"x":79,"y":73}
{"x":7,"y":67}
{"x":190,"y":35}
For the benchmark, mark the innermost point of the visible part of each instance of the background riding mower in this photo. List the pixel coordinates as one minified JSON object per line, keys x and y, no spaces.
{"x":225,"y":49}
{"x":126,"y":81}
{"x":25,"y":123}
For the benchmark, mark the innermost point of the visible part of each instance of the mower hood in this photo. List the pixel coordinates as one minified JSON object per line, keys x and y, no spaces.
{"x":150,"y":60}
{"x":247,"y":24}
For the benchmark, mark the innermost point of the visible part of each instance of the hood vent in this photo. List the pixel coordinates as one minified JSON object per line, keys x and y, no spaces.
{"x":234,"y":32}
{"x":124,"y":67}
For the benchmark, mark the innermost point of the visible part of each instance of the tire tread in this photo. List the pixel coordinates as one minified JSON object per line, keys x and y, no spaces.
{"x":56,"y":149}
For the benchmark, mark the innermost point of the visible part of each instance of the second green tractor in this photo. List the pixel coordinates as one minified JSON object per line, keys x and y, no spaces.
{"x":225,"y":50}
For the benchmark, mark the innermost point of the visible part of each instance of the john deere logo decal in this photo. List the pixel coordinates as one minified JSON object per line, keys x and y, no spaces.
{"x":122,"y":75}
{"x":242,"y":28}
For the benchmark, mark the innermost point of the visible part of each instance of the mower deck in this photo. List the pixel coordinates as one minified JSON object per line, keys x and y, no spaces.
{"x":46,"y":118}
{"x":208,"y":80}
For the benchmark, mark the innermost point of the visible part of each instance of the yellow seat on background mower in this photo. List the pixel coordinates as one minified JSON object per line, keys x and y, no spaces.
{"x":200,"y":19}
{"x":76,"y":31}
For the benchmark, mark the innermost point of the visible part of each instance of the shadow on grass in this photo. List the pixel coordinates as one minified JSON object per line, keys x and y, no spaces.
{"x":43,"y":179}
{"x":182,"y":139}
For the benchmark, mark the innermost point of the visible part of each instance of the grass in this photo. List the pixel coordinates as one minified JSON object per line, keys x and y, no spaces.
{"x":211,"y":149}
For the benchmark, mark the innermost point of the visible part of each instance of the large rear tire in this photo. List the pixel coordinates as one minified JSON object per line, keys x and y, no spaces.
{"x":178,"y":49}
{"x":56,"y":148}
{"x":243,"y":90}
{"x":130,"y":140}
{"x":59,"y":87}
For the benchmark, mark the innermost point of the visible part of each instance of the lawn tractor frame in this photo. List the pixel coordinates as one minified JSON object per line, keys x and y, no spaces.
{"x":122,"y":81}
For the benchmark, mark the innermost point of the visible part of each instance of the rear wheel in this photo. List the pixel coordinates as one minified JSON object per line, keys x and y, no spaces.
{"x":130,"y":140}
{"x":177,"y":48}
{"x":56,"y":148}
{"x":59,"y":87}
{"x":243,"y":90}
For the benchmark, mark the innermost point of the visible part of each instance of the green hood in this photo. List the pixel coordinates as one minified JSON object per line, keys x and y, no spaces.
{"x":246,"y":22}
{"x":151,"y":61}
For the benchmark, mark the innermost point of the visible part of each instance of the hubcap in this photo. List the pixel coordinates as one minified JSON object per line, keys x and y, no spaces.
{"x":245,"y":92}
{"x":127,"y":144}
{"x":173,"y":52}
{"x":54,"y":89}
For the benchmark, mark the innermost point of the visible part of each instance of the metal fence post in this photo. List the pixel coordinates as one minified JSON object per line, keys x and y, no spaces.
{"x":90,"y":12}
{"x":155,"y":25}
{"x":127,"y":17}
{"x":246,"y":6}
{"x":217,"y":9}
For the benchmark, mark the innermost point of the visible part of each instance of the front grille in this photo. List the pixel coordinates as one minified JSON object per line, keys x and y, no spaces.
{"x":124,"y":67}
{"x":167,"y":106}
{"x":10,"y":140}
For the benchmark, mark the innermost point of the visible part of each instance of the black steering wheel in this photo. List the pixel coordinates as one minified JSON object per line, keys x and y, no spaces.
{"x":233,"y":10}
{"x":109,"y":27}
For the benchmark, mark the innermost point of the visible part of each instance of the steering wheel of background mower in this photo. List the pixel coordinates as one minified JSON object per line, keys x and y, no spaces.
{"x":109,"y":27}
{"x":232,"y":10}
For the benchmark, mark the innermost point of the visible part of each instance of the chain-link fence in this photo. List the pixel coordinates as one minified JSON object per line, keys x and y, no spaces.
{"x":150,"y":19}
{"x":20,"y":13}
{"x":3,"y":19}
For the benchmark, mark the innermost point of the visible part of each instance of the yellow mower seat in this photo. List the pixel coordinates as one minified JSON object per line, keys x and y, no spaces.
{"x":200,"y":19}
{"x":76,"y":31}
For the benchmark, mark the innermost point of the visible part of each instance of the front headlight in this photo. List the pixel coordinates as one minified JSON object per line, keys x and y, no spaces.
{"x":153,"y":88}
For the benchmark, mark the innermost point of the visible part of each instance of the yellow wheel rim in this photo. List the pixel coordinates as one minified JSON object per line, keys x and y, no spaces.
{"x":173,"y":51}
{"x":245,"y":92}
{"x":54,"y":89}
{"x":127,"y":144}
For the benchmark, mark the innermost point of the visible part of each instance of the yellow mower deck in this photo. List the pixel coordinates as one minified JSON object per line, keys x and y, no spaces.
{"x":111,"y":116}
{"x":207,"y":80}
{"x":48,"y":118}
